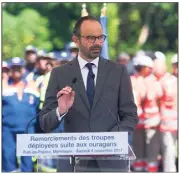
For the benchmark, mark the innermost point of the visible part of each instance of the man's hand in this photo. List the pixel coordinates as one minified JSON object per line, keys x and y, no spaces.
{"x":66,"y":99}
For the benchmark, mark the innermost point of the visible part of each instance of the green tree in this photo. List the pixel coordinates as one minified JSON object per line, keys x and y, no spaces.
{"x":28,"y":27}
{"x":125,"y":23}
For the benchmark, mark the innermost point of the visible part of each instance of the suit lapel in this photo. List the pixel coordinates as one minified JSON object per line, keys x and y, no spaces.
{"x":76,"y":73}
{"x":103,"y":70}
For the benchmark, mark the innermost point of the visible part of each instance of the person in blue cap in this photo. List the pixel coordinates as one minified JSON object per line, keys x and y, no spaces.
{"x":19,"y":105}
{"x":18,"y":64}
{"x":30,"y":57}
{"x":53,"y":61}
{"x":72,"y":48}
{"x":41,"y":67}
{"x":65,"y":56}
{"x":57,"y":58}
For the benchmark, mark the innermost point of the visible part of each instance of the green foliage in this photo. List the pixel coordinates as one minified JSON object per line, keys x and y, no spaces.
{"x":168,"y":60}
{"x":113,"y":29}
{"x":26,"y":28}
{"x":8,"y":34}
{"x":49,"y":25}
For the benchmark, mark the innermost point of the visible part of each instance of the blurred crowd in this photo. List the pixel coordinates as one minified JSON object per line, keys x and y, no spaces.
{"x":155,"y":93}
{"x":24,"y":84}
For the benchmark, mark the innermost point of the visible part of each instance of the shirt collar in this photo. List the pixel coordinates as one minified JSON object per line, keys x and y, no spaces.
{"x":83,"y":62}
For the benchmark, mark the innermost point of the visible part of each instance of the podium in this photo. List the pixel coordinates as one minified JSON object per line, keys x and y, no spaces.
{"x":110,"y":150}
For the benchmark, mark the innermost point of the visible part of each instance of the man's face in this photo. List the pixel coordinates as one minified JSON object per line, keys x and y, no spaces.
{"x":175,"y":69}
{"x":147,"y":71}
{"x":30,"y":57}
{"x":42,"y":64}
{"x":123,"y":61}
{"x":159,"y":68}
{"x":88,"y":30}
{"x":16,"y":72}
{"x":5,"y":73}
{"x":74,"y":52}
{"x":54,"y":62}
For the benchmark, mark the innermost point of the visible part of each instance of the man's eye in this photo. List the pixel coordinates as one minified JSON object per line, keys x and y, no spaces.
{"x":101,"y":37}
{"x":91,"y":37}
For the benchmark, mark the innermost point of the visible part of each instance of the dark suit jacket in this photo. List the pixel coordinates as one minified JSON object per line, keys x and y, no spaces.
{"x":113,"y":86}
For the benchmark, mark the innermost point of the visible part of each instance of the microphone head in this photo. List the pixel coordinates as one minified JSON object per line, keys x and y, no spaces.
{"x":74,"y":80}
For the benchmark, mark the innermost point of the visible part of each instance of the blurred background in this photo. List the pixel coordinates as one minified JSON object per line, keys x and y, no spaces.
{"x":130,"y":26}
{"x":36,"y":37}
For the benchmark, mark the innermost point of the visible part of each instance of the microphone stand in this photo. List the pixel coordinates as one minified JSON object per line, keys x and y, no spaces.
{"x":72,"y":162}
{"x":37,"y":115}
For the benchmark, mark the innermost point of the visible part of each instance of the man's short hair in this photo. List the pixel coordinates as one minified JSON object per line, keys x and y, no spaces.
{"x":76,"y":30}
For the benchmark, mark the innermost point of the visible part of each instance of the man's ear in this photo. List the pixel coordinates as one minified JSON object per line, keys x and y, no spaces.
{"x":76,"y":40}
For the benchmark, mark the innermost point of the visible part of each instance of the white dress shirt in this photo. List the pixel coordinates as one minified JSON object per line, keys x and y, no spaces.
{"x":84,"y":71}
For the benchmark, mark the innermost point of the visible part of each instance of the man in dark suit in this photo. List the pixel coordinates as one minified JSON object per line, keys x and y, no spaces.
{"x":85,"y":86}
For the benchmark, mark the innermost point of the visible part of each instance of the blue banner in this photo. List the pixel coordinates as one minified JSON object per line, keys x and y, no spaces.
{"x":104,"y":52}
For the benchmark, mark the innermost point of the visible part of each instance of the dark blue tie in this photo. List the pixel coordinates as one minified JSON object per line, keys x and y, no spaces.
{"x":90,"y":83}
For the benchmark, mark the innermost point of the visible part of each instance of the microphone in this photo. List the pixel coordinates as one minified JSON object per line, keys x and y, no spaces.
{"x":74,"y":80}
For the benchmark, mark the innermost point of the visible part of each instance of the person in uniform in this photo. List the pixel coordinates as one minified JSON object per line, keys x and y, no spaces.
{"x":19,"y":105}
